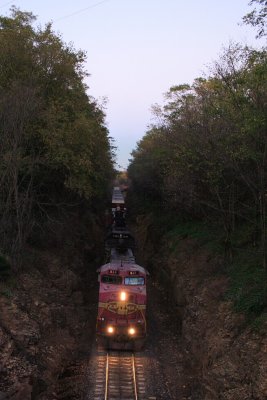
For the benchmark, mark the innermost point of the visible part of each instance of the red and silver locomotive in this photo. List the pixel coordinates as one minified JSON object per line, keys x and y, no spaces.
{"x":121,"y":319}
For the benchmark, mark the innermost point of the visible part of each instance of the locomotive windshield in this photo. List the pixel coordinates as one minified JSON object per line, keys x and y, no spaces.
{"x":134,"y":280}
{"x":113,"y":279}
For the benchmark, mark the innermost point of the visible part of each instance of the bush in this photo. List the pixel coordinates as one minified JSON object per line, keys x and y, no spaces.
{"x":248,"y":288}
{"x":5,"y":268}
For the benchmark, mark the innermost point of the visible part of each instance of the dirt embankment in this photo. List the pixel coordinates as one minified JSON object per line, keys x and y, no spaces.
{"x":46,"y":320}
{"x":226,"y":358}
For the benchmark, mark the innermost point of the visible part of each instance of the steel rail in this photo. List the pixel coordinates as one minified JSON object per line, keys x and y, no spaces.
{"x":106,"y":385}
{"x":134,"y":378}
{"x":120,"y":366}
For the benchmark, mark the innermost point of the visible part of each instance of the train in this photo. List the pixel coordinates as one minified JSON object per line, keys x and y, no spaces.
{"x":121,"y":317}
{"x":117,"y":199}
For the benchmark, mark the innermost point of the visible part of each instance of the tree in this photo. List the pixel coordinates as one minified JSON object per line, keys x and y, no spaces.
{"x":258,"y":17}
{"x":212,"y":145}
{"x":54,"y":143}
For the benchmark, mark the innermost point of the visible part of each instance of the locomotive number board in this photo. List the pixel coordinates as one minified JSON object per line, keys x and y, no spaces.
{"x":133,"y":272}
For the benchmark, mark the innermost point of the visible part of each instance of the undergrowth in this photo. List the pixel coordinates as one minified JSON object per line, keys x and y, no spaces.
{"x":242,"y":259}
{"x":207,"y":236}
{"x":248,"y":286}
{"x":248,"y":279}
{"x":5,"y":268}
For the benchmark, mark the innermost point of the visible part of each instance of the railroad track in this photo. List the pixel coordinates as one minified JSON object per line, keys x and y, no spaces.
{"x":119,"y":375}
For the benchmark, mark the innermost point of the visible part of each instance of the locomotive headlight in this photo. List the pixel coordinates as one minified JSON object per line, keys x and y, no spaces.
{"x":110,"y":329}
{"x":131,"y":331}
{"x":123,"y":296}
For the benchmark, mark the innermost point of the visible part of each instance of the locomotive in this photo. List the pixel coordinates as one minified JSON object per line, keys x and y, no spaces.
{"x":121,"y":320}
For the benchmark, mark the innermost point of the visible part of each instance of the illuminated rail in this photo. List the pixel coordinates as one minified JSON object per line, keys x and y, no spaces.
{"x":120,"y":375}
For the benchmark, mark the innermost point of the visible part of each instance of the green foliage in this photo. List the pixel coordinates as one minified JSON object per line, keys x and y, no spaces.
{"x":248,"y":288}
{"x":67,"y":126}
{"x":5,"y":268}
{"x":54,"y":144}
{"x":148,"y":172}
{"x":208,"y":236}
{"x":259,"y":323}
{"x":258,"y":17}
{"x":205,"y":161}
{"x":7,"y":292}
{"x":244,"y":235}
{"x":194,"y":230}
{"x":207,"y":156}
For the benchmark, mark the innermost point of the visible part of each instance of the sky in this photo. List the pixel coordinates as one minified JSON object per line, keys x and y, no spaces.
{"x":137,"y":49}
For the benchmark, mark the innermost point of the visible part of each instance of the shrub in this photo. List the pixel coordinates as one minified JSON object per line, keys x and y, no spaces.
{"x":5,"y":268}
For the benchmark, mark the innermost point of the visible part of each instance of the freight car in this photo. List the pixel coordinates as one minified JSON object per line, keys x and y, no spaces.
{"x":120,"y":239}
{"x":117,"y":199}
